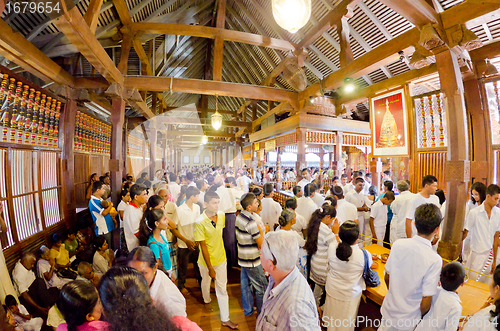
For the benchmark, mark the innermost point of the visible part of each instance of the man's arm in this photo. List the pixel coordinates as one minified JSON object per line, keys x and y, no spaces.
{"x":30,"y":301}
{"x":190,"y":244}
{"x":408,"y":227}
{"x":425,"y":305}
{"x":206,"y":257}
{"x":48,"y":274}
{"x":107,"y":210}
{"x":260,"y":240}
{"x":386,"y":279}
{"x":372,"y":228}
{"x":496,"y":242}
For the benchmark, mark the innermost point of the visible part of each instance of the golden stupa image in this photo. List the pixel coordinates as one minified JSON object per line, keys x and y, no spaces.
{"x":388,"y":130}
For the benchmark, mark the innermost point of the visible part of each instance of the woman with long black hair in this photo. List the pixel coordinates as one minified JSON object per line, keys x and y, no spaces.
{"x":344,"y":283}
{"x":319,"y":237}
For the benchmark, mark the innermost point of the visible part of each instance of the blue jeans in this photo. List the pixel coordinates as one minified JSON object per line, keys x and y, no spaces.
{"x":255,"y":277}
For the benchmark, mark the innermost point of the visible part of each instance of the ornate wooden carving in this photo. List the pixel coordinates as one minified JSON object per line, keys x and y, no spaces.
{"x":457,"y":171}
{"x":430,"y":39}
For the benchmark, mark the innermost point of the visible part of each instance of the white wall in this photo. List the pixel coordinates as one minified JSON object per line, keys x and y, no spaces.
{"x":196,"y":151}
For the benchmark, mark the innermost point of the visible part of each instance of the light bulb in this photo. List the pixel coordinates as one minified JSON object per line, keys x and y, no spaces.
{"x":204,"y":140}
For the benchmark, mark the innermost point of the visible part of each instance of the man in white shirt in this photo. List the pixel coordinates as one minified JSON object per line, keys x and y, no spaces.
{"x":305,"y":205}
{"x":271,"y":210}
{"x":350,"y":186}
{"x":201,"y":185}
{"x":399,"y":210}
{"x":188,"y":251}
{"x":244,"y":182}
{"x":483,"y":223}
{"x":318,"y":198}
{"x":412,"y":273}
{"x":368,"y":183}
{"x":378,"y":218}
{"x":346,"y":211}
{"x":306,"y":178}
{"x":133,"y":214}
{"x":429,"y":187}
{"x":361,"y":201}
{"x":190,"y":179}
{"x":300,"y":225}
{"x":173,"y":186}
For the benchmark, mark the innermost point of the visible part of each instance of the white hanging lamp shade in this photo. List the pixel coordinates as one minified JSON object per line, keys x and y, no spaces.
{"x":216,"y":117}
{"x":291,"y":15}
{"x":204,"y":140}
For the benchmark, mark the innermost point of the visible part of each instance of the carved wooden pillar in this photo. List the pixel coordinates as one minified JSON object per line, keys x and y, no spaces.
{"x":124,"y":152}
{"x":67,"y":135}
{"x":116,"y":160}
{"x":348,"y":168}
{"x":301,"y":152}
{"x":457,"y":171}
{"x":337,"y":163}
{"x":482,"y":156}
{"x":152,"y":134}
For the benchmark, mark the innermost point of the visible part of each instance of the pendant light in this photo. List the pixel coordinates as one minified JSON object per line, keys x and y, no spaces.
{"x":291,"y":15}
{"x":216,"y":117}
{"x":204,"y":140}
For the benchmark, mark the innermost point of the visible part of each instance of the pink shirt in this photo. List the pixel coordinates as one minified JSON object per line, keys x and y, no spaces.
{"x":88,"y":326}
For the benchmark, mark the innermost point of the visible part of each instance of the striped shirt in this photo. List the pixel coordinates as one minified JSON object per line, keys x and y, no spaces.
{"x":319,"y":261}
{"x":247,"y":231}
{"x":289,"y":306}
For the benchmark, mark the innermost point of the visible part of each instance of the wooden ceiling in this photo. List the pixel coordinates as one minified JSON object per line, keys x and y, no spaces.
{"x":195,"y":52}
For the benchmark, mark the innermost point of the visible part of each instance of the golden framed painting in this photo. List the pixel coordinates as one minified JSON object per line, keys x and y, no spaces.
{"x":389,"y":124}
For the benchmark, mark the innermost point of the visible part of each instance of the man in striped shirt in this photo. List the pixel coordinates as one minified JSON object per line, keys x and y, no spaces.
{"x":250,"y":238}
{"x":288,"y":302}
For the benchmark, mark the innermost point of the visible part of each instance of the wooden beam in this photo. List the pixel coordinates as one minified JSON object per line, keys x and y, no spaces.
{"x":470,"y":10}
{"x":346,"y":56}
{"x":77,"y":31}
{"x":198,"y":121}
{"x":17,"y":49}
{"x":418,"y":12}
{"x":123,"y":11}
{"x":101,"y":102}
{"x":219,"y":41}
{"x":244,"y":107}
{"x":197,"y":86}
{"x":380,"y":56}
{"x":489,"y":51}
{"x":385,"y":85}
{"x":200,"y":110}
{"x":125,"y":51}
{"x":92,"y":14}
{"x":211,"y":33}
{"x":281,"y":108}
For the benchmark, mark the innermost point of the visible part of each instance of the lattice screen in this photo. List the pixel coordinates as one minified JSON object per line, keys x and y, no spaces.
{"x":431,"y":121}
{"x":493,"y":95}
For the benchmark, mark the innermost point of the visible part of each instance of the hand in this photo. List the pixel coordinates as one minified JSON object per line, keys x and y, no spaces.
{"x":44,"y":311}
{"x":111,"y":255}
{"x":95,"y":281}
{"x":172,"y":278}
{"x":191,"y":245}
{"x":374,"y":241}
{"x":211,"y":273}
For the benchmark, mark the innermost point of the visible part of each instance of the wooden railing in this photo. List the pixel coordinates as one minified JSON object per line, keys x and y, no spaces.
{"x":431,"y":161}
{"x":287,"y":186}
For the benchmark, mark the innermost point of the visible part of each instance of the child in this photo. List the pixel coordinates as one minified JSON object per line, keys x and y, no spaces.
{"x":378,"y":217}
{"x":446,"y":308}
{"x":125,"y":199}
{"x":21,"y":315}
{"x":105,"y":204}
{"x":212,"y":260}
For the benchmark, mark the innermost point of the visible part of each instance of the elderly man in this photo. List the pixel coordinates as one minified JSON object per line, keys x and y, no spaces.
{"x":47,"y":270}
{"x":399,"y":207}
{"x":86,"y":273}
{"x":31,"y":290}
{"x":288,"y":302}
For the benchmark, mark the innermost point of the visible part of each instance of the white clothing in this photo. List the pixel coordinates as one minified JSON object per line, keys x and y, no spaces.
{"x":412,"y":205}
{"x":379,"y":214}
{"x":33,"y":324}
{"x":414,"y":269}
{"x":318,"y":199}
{"x":481,"y":321}
{"x":100,"y":263}
{"x":175,"y":190}
{"x":220,"y":288}
{"x":336,"y":310}
{"x":260,"y":224}
{"x":166,"y":295}
{"x":243,"y":183}
{"x":303,"y":182}
{"x":399,"y":210}
{"x":22,"y":278}
{"x":121,"y":207}
{"x":228,"y":196}
{"x":345,"y":279}
{"x":444,"y":314}
{"x":131,"y":220}
{"x":477,"y":262}
{"x":300,"y":224}
{"x":171,"y":212}
{"x":187,"y":222}
{"x":300,"y":240}
{"x":306,"y":207}
{"x":348,"y":188}
{"x":482,"y":229}
{"x":346,"y":211}
{"x":358,"y":200}
{"x":271,"y":211}
{"x":193,"y":184}
{"x":43,"y":266}
{"x":55,"y":317}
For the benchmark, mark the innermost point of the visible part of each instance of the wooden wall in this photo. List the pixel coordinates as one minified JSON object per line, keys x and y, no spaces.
{"x":85,"y":165}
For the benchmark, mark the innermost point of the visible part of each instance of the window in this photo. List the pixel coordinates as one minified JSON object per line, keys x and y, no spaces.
{"x":185,"y":159}
{"x":206,"y":159}
{"x":29,"y":191}
{"x":196,"y":159}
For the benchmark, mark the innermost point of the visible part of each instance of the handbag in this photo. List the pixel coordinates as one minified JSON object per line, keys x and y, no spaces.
{"x":371,"y":277}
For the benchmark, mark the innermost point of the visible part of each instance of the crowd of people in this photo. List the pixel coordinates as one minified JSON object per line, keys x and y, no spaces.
{"x":302,"y":265}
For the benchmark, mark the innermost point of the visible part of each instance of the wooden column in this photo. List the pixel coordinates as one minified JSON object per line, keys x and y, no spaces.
{"x":321,"y":159}
{"x":482,"y":157}
{"x":153,"y":138}
{"x":164,"y":153}
{"x":116,"y":160}
{"x":124,"y":152}
{"x":279,"y":177}
{"x":301,"y":152}
{"x":171,"y":157}
{"x":337,"y":163}
{"x":375,"y":168}
{"x":220,"y":156}
{"x":227,"y":156}
{"x":255,"y":162}
{"x":66,"y":142}
{"x":348,"y":167}
{"x":144,"y":164}
{"x":457,"y":171}
{"x":330,"y":160}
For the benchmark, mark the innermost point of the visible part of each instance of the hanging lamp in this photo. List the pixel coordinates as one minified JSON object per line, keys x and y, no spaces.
{"x":216,"y":117}
{"x":204,"y":140}
{"x":291,"y":15}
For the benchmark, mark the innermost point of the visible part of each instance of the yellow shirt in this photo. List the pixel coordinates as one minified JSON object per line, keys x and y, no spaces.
{"x":61,"y":256}
{"x":205,"y":231}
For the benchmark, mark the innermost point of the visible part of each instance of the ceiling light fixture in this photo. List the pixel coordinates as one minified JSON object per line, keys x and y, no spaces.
{"x":216,"y":117}
{"x":349,"y":85}
{"x":291,"y":15}
{"x":204,"y":140}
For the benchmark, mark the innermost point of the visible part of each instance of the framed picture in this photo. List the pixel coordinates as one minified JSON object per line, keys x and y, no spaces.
{"x":196,"y":159}
{"x":206,"y":159}
{"x":389,"y":124}
{"x":185,"y":159}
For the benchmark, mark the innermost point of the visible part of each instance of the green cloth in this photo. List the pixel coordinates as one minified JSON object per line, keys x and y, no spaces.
{"x":71,"y":246}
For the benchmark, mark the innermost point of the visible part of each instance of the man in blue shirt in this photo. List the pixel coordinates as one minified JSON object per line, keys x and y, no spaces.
{"x":103,"y":223}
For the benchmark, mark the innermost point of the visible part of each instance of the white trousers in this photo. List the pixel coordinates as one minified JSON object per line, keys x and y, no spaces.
{"x":340,"y":315}
{"x":476,"y":262}
{"x":34,"y":324}
{"x":220,"y":288}
{"x":364,"y":228}
{"x":380,"y":232}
